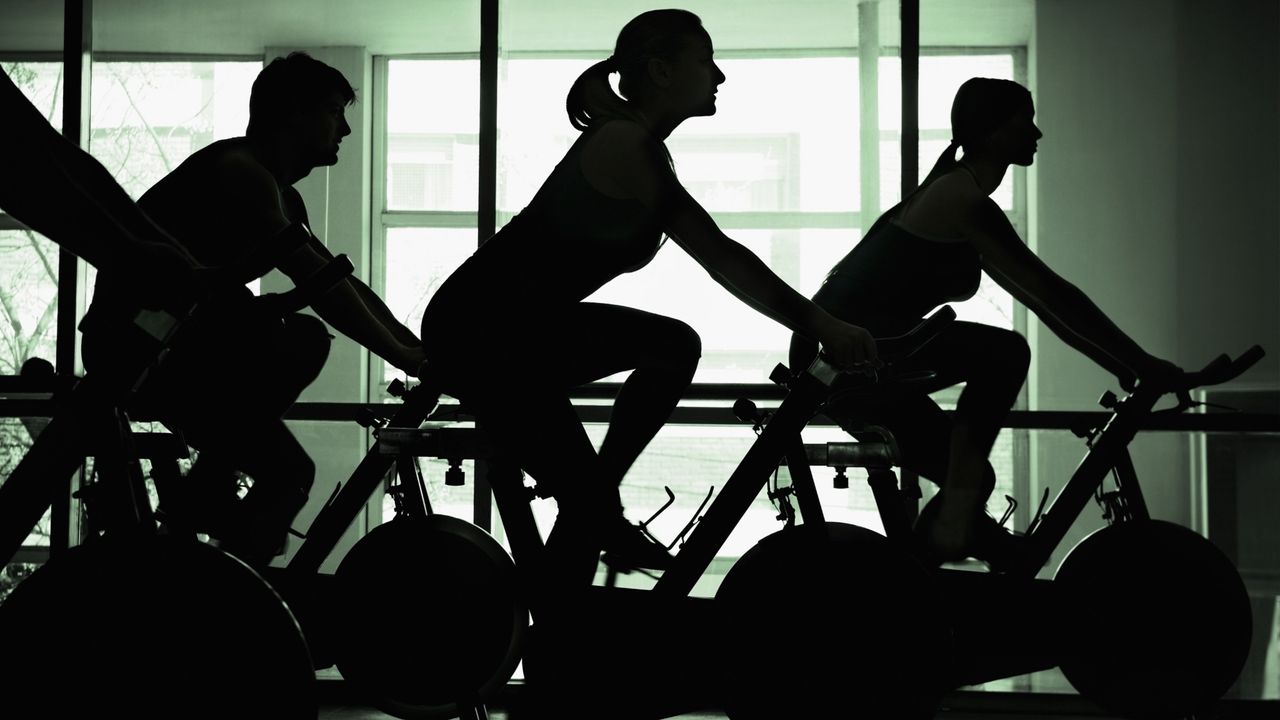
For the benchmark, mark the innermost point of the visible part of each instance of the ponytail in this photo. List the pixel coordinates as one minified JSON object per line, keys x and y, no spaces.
{"x":652,"y":34}
{"x":945,"y":163}
{"x":592,"y":99}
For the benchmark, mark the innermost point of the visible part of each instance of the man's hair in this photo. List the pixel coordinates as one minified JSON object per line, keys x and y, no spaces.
{"x":289,"y":84}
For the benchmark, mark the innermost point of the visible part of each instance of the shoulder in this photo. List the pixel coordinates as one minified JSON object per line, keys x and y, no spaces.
{"x":223,"y":168}
{"x":622,"y":138}
{"x":235,"y":162}
{"x":623,"y":160}
{"x":950,"y":206}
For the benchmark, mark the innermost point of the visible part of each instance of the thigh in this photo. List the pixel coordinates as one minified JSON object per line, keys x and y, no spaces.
{"x":598,"y":340}
{"x":921,"y":429}
{"x":963,"y":351}
{"x":565,"y":347}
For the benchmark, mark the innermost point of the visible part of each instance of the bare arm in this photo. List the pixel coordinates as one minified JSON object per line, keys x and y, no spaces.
{"x":635,"y":165}
{"x":1063,"y":307}
{"x":350,"y":307}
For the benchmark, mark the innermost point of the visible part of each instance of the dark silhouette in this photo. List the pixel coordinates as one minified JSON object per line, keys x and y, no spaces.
{"x":929,"y":249}
{"x":65,"y":194}
{"x":228,"y":386}
{"x":509,"y":332}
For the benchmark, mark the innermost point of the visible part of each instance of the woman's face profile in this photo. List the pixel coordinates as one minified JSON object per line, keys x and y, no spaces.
{"x":1015,"y":141}
{"x":695,"y":77}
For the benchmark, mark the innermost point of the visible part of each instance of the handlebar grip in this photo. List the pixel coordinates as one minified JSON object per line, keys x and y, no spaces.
{"x":905,"y":345}
{"x":1222,"y":368}
{"x":892,"y":348}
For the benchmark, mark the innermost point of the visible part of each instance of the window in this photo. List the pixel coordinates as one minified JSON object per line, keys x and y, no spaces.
{"x":785,"y":183}
{"x":146,"y":117}
{"x":425,"y":198}
{"x":28,"y":303}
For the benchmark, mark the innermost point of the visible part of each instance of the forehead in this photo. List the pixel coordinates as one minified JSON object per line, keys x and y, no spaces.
{"x":697,"y":40}
{"x":332,"y":98}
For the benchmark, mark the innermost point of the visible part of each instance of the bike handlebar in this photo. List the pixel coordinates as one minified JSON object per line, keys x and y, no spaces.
{"x":1218,"y":370}
{"x":891,"y":349}
{"x":1222,"y":369}
{"x":901,"y":347}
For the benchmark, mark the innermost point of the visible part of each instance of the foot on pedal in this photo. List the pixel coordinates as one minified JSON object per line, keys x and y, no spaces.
{"x":628,"y":546}
{"x":943,"y":538}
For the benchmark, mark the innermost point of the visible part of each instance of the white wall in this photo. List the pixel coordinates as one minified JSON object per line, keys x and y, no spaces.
{"x":1156,"y":194}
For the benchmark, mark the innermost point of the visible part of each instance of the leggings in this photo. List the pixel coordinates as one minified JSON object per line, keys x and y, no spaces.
{"x":516,"y":383}
{"x":226,"y":391}
{"x":992,"y":362}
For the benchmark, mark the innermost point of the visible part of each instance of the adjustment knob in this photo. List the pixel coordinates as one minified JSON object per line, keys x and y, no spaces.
{"x":1108,"y":400}
{"x":396,"y":388}
{"x":780,"y":375}
{"x":454,"y":476}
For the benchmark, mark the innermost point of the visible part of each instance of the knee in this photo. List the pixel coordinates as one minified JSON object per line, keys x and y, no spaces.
{"x":683,"y":346}
{"x":309,"y":335}
{"x":307,"y":344}
{"x":297,"y":471}
{"x":1014,"y":353}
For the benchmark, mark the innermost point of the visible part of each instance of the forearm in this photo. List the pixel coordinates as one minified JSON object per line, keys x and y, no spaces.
{"x":383,"y":315}
{"x":345,"y":310}
{"x":1074,"y":318}
{"x":746,"y":276}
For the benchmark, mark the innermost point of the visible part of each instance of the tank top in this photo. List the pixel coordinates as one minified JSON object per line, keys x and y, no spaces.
{"x":569,"y":241}
{"x":893,"y":278}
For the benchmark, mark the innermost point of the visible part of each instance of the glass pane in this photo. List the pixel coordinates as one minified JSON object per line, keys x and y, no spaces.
{"x":738,"y":344}
{"x":148,"y":117}
{"x":533,"y":128}
{"x":757,"y":154}
{"x":16,"y":436}
{"x":433,"y":134}
{"x":418,"y":260}
{"x":28,"y":298}
{"x":775,"y":144}
{"x":41,"y":82}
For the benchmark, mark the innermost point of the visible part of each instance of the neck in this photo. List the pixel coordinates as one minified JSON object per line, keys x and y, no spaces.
{"x":660,"y":121}
{"x":988,"y":173}
{"x":275,"y":156}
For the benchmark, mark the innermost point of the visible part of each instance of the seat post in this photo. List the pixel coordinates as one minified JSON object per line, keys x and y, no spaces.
{"x":890,"y":502}
{"x":909,"y":482}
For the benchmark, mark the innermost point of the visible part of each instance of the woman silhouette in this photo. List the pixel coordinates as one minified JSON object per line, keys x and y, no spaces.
{"x":509,"y":333}
{"x":931,"y":249}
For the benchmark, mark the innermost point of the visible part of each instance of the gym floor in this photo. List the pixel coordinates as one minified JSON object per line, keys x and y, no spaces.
{"x":336,"y":704}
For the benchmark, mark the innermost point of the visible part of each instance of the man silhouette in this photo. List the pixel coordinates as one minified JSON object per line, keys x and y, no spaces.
{"x":227,"y":387}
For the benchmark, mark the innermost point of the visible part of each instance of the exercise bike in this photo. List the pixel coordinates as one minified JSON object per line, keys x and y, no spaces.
{"x":424,"y":616}
{"x":456,"y":604}
{"x":1144,"y":617}
{"x":134,"y":621}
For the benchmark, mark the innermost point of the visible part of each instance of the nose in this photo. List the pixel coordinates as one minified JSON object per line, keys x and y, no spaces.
{"x":345,"y":130}
{"x":720,"y":78}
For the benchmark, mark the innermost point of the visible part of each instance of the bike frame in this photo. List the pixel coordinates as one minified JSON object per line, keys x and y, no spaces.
{"x":1108,"y":452}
